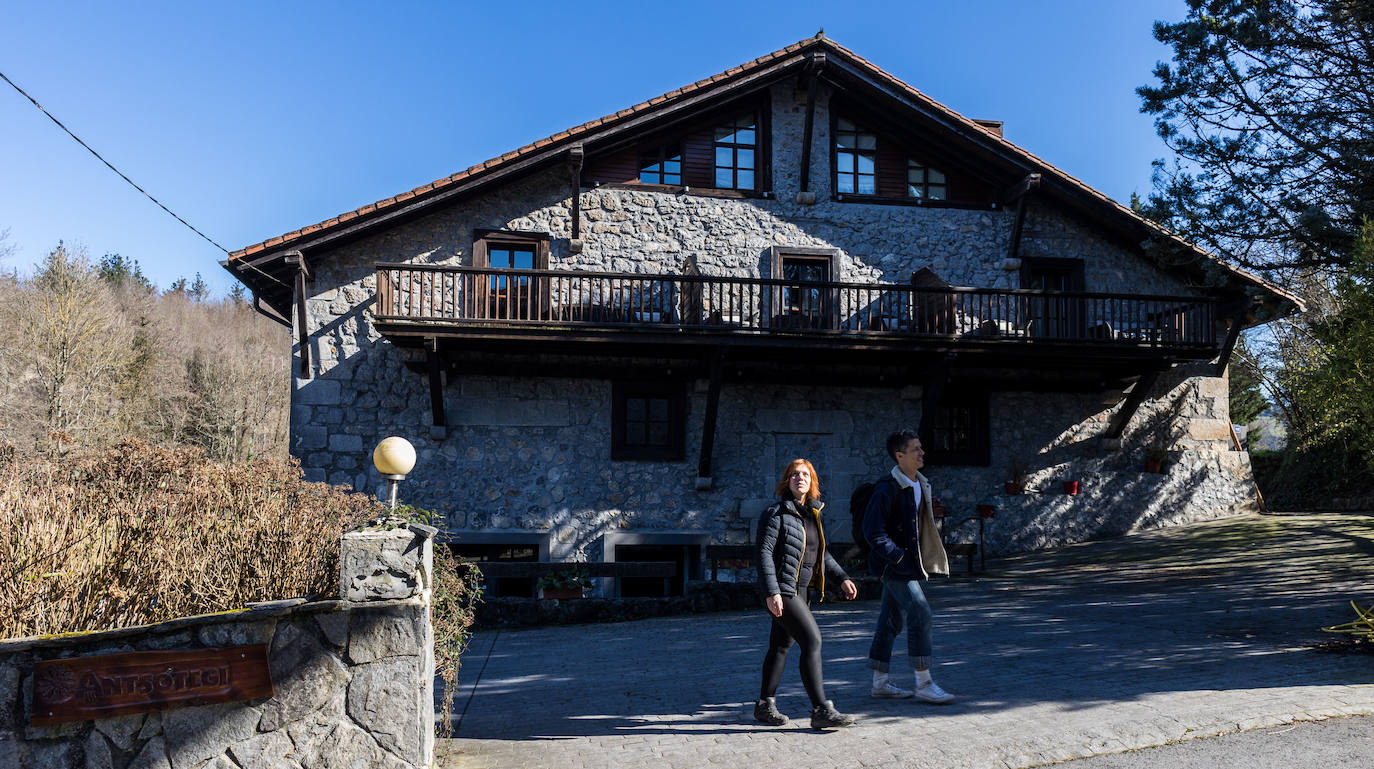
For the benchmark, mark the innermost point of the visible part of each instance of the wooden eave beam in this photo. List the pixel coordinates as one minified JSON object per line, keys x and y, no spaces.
{"x":1020,"y":193}
{"x":815,"y":64}
{"x":575,"y":158}
{"x":297,"y":259}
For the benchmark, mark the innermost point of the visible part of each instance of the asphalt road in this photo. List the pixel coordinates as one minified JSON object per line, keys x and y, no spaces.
{"x":1336,"y":743}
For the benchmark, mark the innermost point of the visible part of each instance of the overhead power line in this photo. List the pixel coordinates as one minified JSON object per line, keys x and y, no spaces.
{"x":111,"y":166}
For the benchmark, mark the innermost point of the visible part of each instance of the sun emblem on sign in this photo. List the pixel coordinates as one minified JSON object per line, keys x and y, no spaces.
{"x":55,"y":684}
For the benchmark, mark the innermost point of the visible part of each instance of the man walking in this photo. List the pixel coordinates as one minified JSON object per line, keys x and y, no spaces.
{"x":904,"y":548}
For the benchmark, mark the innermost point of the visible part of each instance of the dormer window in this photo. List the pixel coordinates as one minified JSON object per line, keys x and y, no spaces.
{"x":856,"y":159}
{"x":735,"y":145}
{"x":925,"y":183}
{"x":721,"y":153}
{"x":663,"y":165}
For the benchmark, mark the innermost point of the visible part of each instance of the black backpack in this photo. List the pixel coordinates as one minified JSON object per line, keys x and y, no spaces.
{"x":858,"y":504}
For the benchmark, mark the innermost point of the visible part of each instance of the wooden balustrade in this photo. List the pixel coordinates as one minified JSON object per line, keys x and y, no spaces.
{"x":460,"y":296}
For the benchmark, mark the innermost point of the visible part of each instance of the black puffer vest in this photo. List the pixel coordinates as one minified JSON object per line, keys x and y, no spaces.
{"x":781,"y":543}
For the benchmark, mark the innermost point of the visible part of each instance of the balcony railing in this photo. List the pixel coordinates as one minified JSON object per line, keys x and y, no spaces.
{"x":474,"y":296}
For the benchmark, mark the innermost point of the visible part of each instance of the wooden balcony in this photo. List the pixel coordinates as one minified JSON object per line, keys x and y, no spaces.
{"x":483,"y":303}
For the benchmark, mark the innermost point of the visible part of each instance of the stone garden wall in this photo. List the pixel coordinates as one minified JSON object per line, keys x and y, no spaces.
{"x":353,"y":680}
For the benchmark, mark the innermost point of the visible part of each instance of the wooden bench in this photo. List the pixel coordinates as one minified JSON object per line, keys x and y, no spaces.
{"x":966,"y":549}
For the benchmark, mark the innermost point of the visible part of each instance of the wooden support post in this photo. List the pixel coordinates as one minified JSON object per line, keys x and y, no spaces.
{"x":302,"y":322}
{"x":815,"y":62}
{"x":1229,"y":346}
{"x":932,"y":391}
{"x":708,"y":425}
{"x":1137,"y":396}
{"x":575,"y":157}
{"x":1018,"y":193}
{"x":436,"y":382}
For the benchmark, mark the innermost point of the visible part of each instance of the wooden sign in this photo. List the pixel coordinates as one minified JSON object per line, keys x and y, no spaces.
{"x":85,"y":688}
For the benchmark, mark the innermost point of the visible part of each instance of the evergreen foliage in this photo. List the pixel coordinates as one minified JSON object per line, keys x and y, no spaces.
{"x":1269,"y":104}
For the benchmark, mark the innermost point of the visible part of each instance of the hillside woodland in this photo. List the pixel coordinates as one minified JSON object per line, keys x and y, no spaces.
{"x":94,"y":353}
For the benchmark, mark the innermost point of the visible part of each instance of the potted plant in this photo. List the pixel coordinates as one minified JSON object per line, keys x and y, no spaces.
{"x":986,"y":511}
{"x":1155,"y":454}
{"x":937,"y":508}
{"x":564,"y":583}
{"x":1016,"y":475}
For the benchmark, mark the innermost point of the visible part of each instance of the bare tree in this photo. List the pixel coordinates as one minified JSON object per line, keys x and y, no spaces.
{"x":69,"y":341}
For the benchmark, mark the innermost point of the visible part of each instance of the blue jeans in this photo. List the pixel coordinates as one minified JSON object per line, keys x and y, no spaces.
{"x":902,"y":599}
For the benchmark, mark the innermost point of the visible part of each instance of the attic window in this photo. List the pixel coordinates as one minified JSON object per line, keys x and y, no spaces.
{"x":735,"y":145}
{"x":663,"y":165}
{"x":924,"y":183}
{"x":856,"y":155}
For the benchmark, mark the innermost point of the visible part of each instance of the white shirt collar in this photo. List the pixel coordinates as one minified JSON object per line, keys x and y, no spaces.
{"x":904,"y":482}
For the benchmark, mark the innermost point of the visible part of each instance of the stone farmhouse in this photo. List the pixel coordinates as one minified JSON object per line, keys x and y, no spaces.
{"x":606,"y":344}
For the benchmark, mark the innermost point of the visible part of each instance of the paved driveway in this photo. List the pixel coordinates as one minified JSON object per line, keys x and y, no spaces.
{"x":1096,"y":648}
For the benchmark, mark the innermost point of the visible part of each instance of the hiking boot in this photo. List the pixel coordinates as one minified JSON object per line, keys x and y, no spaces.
{"x":827,"y":717}
{"x":766,"y":711}
{"x":932,"y":693}
{"x":889,"y":691}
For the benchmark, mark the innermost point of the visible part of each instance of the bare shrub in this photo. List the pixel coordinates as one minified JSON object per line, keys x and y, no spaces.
{"x":137,"y":534}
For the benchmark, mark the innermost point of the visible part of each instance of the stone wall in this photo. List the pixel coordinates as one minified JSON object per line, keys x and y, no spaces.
{"x":532,"y":455}
{"x":353,"y":680}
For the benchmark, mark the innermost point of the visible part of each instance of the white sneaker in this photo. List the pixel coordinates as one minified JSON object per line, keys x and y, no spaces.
{"x":890,"y":691}
{"x":933,"y":694}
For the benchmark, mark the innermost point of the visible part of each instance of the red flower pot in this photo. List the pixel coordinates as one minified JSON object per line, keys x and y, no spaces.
{"x":1012,"y":487}
{"x":938,"y":510}
{"x":1070,"y":487}
{"x":1153,"y":466}
{"x":986,"y":511}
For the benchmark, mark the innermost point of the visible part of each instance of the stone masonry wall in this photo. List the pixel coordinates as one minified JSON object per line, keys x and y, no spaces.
{"x":353,"y":681}
{"x":533,"y":454}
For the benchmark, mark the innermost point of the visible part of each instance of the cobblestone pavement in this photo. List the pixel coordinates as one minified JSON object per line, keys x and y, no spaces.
{"x":1097,"y":648}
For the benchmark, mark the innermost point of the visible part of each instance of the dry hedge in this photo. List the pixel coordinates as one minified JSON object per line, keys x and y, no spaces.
{"x":136,"y":534}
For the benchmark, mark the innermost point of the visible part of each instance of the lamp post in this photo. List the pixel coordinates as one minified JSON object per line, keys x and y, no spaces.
{"x":394,"y":457}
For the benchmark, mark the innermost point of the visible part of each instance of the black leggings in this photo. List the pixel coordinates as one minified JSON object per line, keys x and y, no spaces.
{"x":795,"y":624}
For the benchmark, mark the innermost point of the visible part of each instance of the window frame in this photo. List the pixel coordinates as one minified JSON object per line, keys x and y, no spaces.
{"x":663,"y":158}
{"x":859,"y":130}
{"x":735,"y":147}
{"x":979,"y":452}
{"x":912,"y":164}
{"x":485,"y":300}
{"x":676,"y":395}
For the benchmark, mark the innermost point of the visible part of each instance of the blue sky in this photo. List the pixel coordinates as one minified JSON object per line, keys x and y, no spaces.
{"x":251,"y":119}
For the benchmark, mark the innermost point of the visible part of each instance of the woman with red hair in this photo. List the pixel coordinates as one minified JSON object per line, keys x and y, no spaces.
{"x":791,"y":559}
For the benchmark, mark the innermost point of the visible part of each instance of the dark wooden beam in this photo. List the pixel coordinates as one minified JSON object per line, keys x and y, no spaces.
{"x":575,"y":157}
{"x":303,"y":325}
{"x":1019,"y":193}
{"x":436,"y":382}
{"x":1227,"y":347}
{"x":1137,"y":396}
{"x":932,"y":392}
{"x":708,"y":424}
{"x":1015,"y":192}
{"x":815,"y":62}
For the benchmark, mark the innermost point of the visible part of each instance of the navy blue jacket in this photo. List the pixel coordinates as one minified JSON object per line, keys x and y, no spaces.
{"x":903,"y":541}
